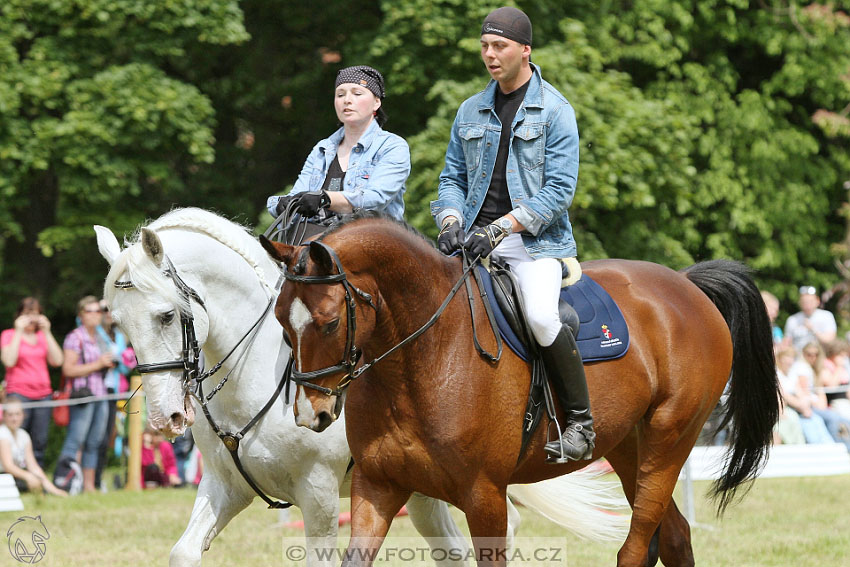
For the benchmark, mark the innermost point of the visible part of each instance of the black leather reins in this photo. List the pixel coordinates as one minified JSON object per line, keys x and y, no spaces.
{"x":352,"y":353}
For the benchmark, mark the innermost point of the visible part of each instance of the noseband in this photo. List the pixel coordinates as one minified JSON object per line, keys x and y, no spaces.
{"x":351,"y":355}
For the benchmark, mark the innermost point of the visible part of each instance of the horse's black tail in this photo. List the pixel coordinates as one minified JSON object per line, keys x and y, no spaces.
{"x":753,"y":402}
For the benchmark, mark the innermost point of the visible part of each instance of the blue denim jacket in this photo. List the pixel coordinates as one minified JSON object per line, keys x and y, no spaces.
{"x":377,"y":171}
{"x":542,"y":166}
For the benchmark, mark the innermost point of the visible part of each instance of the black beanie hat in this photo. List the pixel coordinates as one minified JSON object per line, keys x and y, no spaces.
{"x":362,"y":75}
{"x":510,"y":23}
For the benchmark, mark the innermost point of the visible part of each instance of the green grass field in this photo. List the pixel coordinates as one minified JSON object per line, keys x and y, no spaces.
{"x":782,"y":522}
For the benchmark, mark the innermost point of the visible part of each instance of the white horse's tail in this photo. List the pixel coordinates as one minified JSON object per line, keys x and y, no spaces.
{"x":582,"y":502}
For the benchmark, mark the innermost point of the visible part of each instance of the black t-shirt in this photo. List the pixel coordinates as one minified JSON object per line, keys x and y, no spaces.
{"x":497,"y":203}
{"x":335,"y":177}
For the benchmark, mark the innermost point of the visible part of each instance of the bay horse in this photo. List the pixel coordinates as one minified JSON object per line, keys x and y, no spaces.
{"x":192,"y":271}
{"x":430,"y":415}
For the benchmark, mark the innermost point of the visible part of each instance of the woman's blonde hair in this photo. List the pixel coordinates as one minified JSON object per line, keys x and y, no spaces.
{"x":87,"y":300}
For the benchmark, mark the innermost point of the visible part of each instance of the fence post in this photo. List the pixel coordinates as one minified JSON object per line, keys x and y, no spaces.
{"x":134,"y":437}
{"x":688,"y":493}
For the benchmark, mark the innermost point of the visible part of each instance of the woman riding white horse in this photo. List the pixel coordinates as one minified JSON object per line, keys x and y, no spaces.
{"x":191,"y":271}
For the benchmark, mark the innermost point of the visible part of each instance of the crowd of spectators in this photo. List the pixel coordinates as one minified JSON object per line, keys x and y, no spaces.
{"x":95,"y":360}
{"x":813,"y":367}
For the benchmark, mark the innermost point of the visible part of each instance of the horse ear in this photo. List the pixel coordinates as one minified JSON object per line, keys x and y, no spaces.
{"x":152,"y":246}
{"x":320,"y":256}
{"x":107,"y":244}
{"x":277,"y":250}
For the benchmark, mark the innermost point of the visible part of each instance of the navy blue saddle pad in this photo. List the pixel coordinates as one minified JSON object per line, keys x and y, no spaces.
{"x":603,"y":334}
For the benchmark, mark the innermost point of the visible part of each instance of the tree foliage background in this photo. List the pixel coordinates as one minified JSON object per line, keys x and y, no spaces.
{"x":710,"y":128}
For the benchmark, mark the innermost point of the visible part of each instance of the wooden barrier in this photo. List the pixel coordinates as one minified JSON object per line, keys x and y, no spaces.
{"x":134,"y":437}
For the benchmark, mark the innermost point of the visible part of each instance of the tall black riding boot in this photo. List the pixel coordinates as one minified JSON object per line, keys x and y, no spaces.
{"x":566,"y":374}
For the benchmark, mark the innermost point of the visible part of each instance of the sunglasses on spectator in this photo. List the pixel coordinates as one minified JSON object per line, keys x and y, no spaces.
{"x":808,"y":290}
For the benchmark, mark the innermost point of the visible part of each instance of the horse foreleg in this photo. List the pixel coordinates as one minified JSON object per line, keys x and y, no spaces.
{"x":215,"y":505}
{"x":432,"y":520}
{"x":373,"y":507}
{"x":487,"y":515}
{"x":317,"y":494}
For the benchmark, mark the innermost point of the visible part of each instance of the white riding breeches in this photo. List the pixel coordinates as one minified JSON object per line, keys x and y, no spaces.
{"x":540,"y":286}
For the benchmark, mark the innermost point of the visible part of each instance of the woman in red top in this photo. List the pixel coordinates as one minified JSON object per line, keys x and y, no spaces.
{"x":26,"y":350}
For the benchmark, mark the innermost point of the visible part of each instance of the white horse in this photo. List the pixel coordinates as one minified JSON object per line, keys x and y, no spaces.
{"x":192,"y":265}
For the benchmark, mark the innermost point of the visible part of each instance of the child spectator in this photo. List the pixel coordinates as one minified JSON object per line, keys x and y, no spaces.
{"x":16,"y":454}
{"x":813,"y":428}
{"x":159,"y":467}
{"x":835,"y":375}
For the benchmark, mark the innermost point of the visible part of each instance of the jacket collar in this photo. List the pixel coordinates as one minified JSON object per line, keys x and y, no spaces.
{"x":334,"y":140}
{"x":533,"y":96}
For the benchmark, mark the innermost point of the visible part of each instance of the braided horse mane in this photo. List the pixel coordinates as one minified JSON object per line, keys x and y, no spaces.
{"x":133,"y":265}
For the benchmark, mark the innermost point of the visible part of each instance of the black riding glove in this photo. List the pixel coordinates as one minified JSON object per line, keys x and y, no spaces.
{"x":450,"y":237}
{"x":282,"y":204}
{"x":309,"y":204}
{"x":482,"y":240}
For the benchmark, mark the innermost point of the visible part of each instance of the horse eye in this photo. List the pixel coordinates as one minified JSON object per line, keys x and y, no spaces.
{"x":330,"y":327}
{"x":167,"y":318}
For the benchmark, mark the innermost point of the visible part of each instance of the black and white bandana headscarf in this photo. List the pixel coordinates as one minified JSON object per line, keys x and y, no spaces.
{"x":362,"y":75}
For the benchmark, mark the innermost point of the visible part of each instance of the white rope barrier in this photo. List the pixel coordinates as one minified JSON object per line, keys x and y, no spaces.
{"x":74,"y":401}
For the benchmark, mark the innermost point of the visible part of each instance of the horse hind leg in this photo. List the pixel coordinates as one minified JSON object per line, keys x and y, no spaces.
{"x":671,"y":539}
{"x":675,"y":545}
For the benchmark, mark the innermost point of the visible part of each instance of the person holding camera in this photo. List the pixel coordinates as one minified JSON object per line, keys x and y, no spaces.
{"x":85,"y":366}
{"x":26,"y":350}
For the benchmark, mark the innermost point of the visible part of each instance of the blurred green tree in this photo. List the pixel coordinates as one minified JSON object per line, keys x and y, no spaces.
{"x":710,"y":128}
{"x":705,"y":129}
{"x":95,"y":128}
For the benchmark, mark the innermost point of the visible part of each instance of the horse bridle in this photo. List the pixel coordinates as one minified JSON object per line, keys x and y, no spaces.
{"x":191,"y":366}
{"x":191,"y":351}
{"x":351,"y":355}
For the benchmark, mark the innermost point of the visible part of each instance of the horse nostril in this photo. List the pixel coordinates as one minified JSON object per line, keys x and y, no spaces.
{"x":176,"y":417}
{"x":325,"y":420}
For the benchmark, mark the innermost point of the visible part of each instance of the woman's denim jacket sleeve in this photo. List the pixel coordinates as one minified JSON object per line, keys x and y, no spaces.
{"x":378,"y":168}
{"x":542,"y":166}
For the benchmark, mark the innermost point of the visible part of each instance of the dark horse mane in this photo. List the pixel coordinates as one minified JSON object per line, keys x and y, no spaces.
{"x":343,"y":221}
{"x":361,"y":214}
